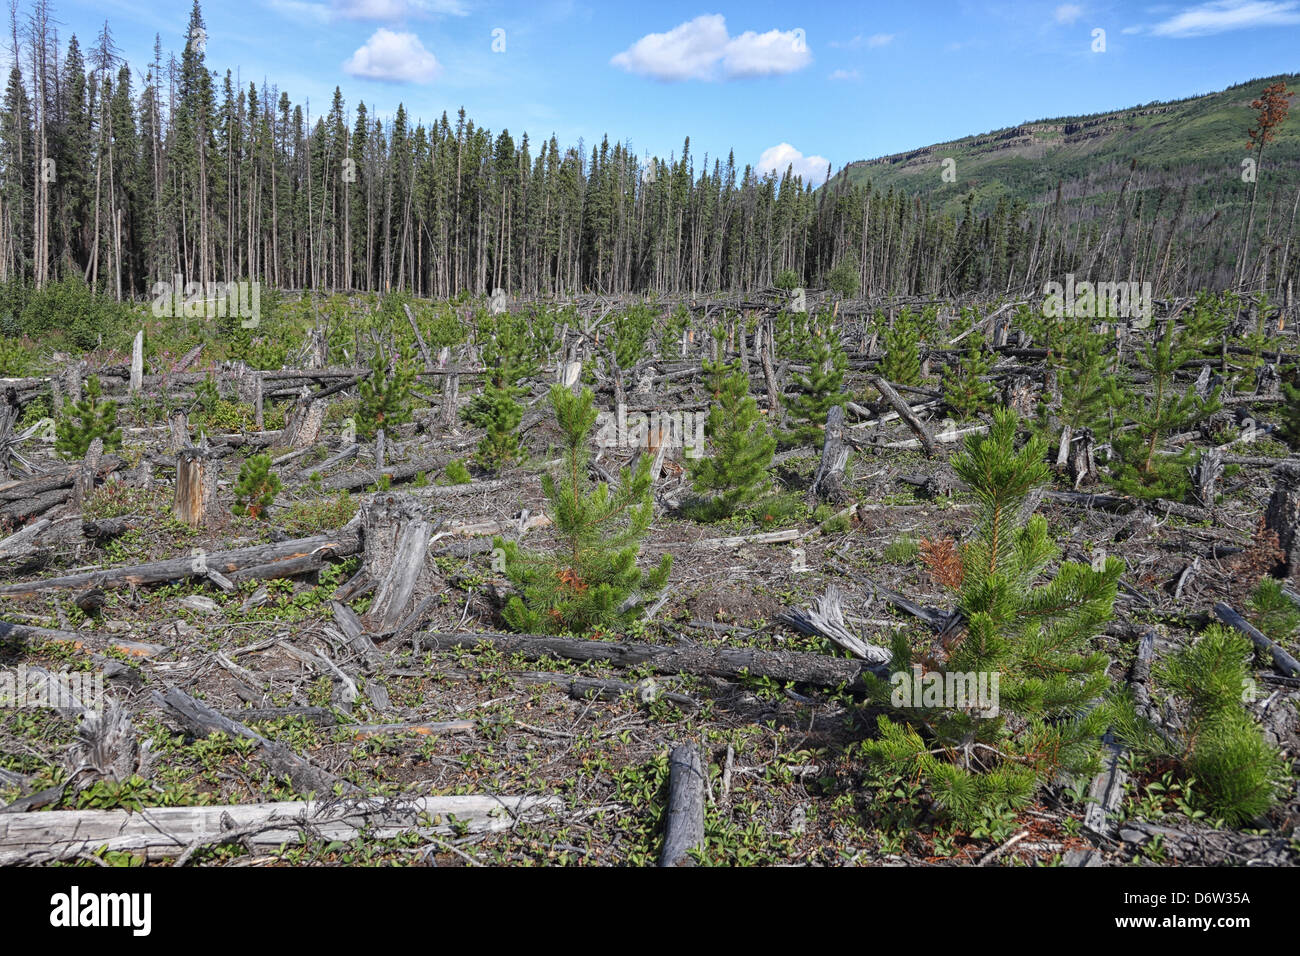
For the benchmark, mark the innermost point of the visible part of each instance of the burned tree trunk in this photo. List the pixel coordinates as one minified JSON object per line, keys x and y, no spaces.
{"x":1020,"y":395}
{"x":1083,"y":464}
{"x":1283,"y":517}
{"x":196,"y":488}
{"x":396,"y":536}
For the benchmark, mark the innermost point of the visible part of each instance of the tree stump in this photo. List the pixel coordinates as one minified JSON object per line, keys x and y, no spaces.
{"x":84,"y":483}
{"x":1283,"y":516}
{"x":1019,"y":394}
{"x":450,"y":399}
{"x":304,"y":423}
{"x":180,"y":431}
{"x":1205,"y":476}
{"x":395,"y":534}
{"x":196,"y":488}
{"x":1083,"y":464}
{"x":828,"y":483}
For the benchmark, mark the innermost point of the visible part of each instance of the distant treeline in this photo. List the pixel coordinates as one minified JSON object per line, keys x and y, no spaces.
{"x":194,"y":176}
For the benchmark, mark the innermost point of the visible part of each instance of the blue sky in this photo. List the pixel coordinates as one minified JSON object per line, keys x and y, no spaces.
{"x":776,"y":82}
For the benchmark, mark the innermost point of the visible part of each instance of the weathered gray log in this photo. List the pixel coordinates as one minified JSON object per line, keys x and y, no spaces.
{"x":195,"y":503}
{"x":1140,"y":675}
{"x":290,"y":568}
{"x":354,"y":480}
{"x":341,"y":543}
{"x":725,"y":662}
{"x":161,"y":832}
{"x":396,"y":536}
{"x":1281,"y":659}
{"x":828,"y":483}
{"x":684,"y":829}
{"x":905,"y":413}
{"x":78,"y":640}
{"x":201,"y":720}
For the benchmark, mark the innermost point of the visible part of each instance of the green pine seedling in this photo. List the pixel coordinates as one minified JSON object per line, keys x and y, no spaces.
{"x":385,"y":395}
{"x":81,"y":423}
{"x":1031,"y":626}
{"x":736,"y":473}
{"x":256,"y":487}
{"x":592,"y":581}
{"x":820,"y":390}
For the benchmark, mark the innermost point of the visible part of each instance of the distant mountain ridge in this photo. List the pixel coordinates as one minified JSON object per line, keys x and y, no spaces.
{"x":1199,"y":141}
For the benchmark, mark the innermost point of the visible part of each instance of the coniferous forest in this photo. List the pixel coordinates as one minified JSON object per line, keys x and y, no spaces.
{"x":380,"y":488}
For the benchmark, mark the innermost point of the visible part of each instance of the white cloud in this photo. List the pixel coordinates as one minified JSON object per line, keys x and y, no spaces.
{"x":702,"y":49}
{"x":398,"y":57}
{"x":779,"y":158}
{"x":1219,"y":16}
{"x":1067,"y":13}
{"x":879,"y":39}
{"x":845,"y":75}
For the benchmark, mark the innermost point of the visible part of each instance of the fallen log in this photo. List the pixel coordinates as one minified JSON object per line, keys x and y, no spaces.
{"x":201,"y":720}
{"x":78,"y":640}
{"x":161,"y":832}
{"x":342,"y":543}
{"x":728,"y":662}
{"x":684,"y":830}
{"x":1281,"y":659}
{"x":905,"y":412}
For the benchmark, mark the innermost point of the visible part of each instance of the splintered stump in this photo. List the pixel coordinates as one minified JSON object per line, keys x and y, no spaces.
{"x":396,"y":537}
{"x":828,"y":484}
{"x":1283,"y":516}
{"x":196,"y":488}
{"x":303,"y":424}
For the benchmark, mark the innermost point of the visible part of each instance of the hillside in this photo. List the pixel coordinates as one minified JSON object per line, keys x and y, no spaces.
{"x":1200,"y":140}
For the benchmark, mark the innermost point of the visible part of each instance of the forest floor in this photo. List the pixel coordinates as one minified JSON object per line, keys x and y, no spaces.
{"x":786,"y":782}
